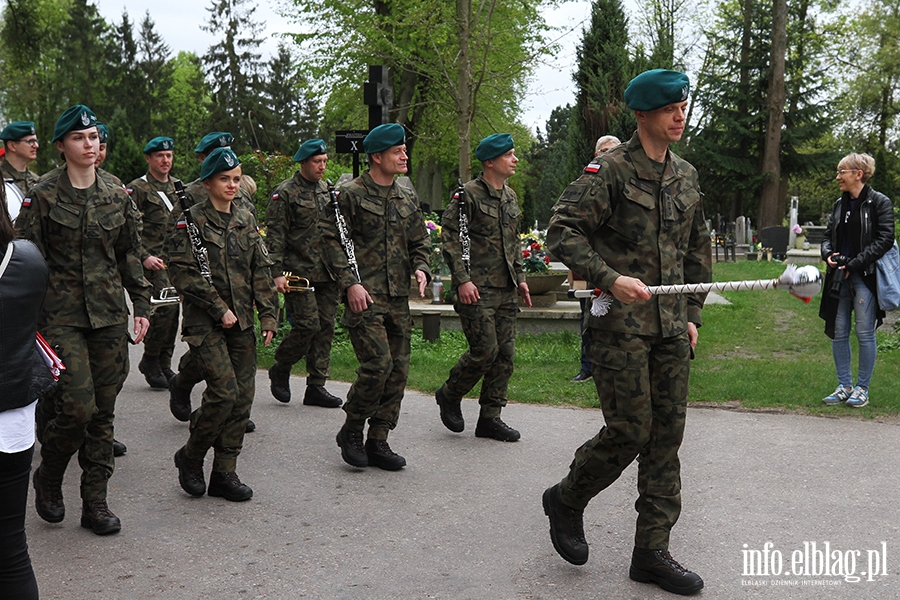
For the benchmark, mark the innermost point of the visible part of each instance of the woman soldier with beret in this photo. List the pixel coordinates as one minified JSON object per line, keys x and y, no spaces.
{"x":218,"y":322}
{"x":87,"y":230}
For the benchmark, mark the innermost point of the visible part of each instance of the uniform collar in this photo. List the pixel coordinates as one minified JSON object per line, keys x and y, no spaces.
{"x":643,"y":166}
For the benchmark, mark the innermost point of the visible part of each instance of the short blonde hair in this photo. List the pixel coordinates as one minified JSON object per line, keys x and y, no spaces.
{"x":604,"y":141}
{"x":863,"y":162}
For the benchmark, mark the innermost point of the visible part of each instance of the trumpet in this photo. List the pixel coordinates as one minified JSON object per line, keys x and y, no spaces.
{"x":297,"y":283}
{"x":167,"y":295}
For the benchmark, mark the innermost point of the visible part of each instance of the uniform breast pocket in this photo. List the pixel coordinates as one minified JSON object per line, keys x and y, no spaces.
{"x":513,"y":215}
{"x":486,"y":217}
{"x":110,"y":219}
{"x":304,"y":212}
{"x":634,"y":214}
{"x":371,"y":218}
{"x":64,"y":219}
{"x":213,"y":235}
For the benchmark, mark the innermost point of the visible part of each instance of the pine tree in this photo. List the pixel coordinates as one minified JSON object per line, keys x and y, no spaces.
{"x":154,"y":63}
{"x":233,"y":69}
{"x":292,"y":112}
{"x":604,"y":70}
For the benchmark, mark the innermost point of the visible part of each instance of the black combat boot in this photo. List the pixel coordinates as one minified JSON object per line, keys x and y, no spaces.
{"x":96,"y":516}
{"x":451,"y":412}
{"x":496,"y":429}
{"x":380,"y":455}
{"x":48,"y":499}
{"x":190,"y":474}
{"x":658,"y":566}
{"x":119,"y":449}
{"x":168,"y":373}
{"x":179,"y":401}
{"x":566,"y":527}
{"x":250,"y":427}
{"x":352,"y":450}
{"x":229,"y":486}
{"x":317,"y":395}
{"x":280,"y":379}
{"x":149,"y":366}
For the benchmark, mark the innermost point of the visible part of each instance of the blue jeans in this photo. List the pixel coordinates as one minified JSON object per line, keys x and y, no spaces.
{"x":855,"y":298}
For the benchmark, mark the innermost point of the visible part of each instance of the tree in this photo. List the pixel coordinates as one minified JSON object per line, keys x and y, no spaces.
{"x":549,"y":157}
{"x":291,"y":110}
{"x":156,"y":68}
{"x":188,"y":103}
{"x":446,"y":71}
{"x":233,"y":70}
{"x":604,"y":68}
{"x":770,"y":209}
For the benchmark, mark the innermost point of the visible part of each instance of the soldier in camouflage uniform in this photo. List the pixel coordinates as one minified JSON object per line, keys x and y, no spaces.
{"x":154,"y":195}
{"x":296,"y":207}
{"x":188,"y":376}
{"x":21,"y":144}
{"x":385,"y":227}
{"x":485,"y":289}
{"x":633,"y":219}
{"x":218,"y":324}
{"x":87,"y":230}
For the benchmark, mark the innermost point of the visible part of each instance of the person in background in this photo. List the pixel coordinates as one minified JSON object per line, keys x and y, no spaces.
{"x":23,"y":283}
{"x":88,"y":232}
{"x":386,"y":228}
{"x":860,"y":231}
{"x":297,"y":207}
{"x":604,"y":145}
{"x":218,"y":323}
{"x":485,"y":290}
{"x":20,"y":143}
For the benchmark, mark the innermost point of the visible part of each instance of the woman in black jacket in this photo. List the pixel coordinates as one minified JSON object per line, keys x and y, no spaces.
{"x":23,"y":282}
{"x":859,"y":232}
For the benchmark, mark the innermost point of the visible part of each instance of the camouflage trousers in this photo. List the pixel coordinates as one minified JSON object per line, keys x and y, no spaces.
{"x":311,"y":315}
{"x":490,"y":329}
{"x":160,"y":339}
{"x":226,"y":359}
{"x":642,"y":384}
{"x":80,"y":411}
{"x":380,"y":336}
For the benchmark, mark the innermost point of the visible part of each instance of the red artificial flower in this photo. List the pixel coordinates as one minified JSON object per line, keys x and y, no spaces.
{"x":526,"y":253}
{"x":535,"y":246}
{"x":546,"y":260}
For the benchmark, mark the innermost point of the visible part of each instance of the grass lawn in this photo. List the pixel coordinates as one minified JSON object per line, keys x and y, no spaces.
{"x":766,"y":350}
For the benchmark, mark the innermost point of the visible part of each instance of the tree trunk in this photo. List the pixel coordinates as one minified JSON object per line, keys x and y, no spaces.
{"x":464,"y":89}
{"x":771,"y":170}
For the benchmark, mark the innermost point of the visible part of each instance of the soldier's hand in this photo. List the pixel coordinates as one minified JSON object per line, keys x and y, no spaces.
{"x":628,"y":289}
{"x":468,"y":293}
{"x":422,"y":280}
{"x":154,"y":263}
{"x":525,"y":294}
{"x":693,"y":334}
{"x":281,"y":284}
{"x":358,"y":298}
{"x":141,"y":327}
{"x":267,"y":337}
{"x":228,"y":319}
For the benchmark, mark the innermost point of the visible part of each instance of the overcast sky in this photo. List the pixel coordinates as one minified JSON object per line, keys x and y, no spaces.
{"x":179,"y":21}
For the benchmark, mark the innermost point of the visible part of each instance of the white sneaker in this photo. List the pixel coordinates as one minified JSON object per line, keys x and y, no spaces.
{"x":841,"y":394}
{"x":858,"y":398}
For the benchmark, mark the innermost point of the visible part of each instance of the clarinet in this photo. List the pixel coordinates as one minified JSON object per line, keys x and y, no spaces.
{"x":197,"y":247}
{"x":346,"y":242}
{"x":460,"y":196}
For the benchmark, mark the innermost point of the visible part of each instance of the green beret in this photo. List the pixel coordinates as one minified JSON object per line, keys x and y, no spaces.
{"x":383,"y":137}
{"x":220,"y":159}
{"x":17,"y":130}
{"x":76,"y":118}
{"x":493,"y":146}
{"x":159,"y":144}
{"x":657,"y":88}
{"x":216,"y":139}
{"x":102,"y":132}
{"x":310,"y":148}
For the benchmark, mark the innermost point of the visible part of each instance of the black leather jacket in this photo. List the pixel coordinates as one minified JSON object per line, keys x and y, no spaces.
{"x":22,"y":288}
{"x":876,"y":235}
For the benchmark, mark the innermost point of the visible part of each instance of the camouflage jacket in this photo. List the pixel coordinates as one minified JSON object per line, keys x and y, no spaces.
{"x":296,"y":206}
{"x":21,"y":179}
{"x":92,"y":249}
{"x":239,"y":264}
{"x":619,"y":218}
{"x":388,"y":233}
{"x":495,"y":256}
{"x":156,"y":201}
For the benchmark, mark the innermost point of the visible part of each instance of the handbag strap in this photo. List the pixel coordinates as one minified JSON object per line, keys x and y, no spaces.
{"x":6,"y":258}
